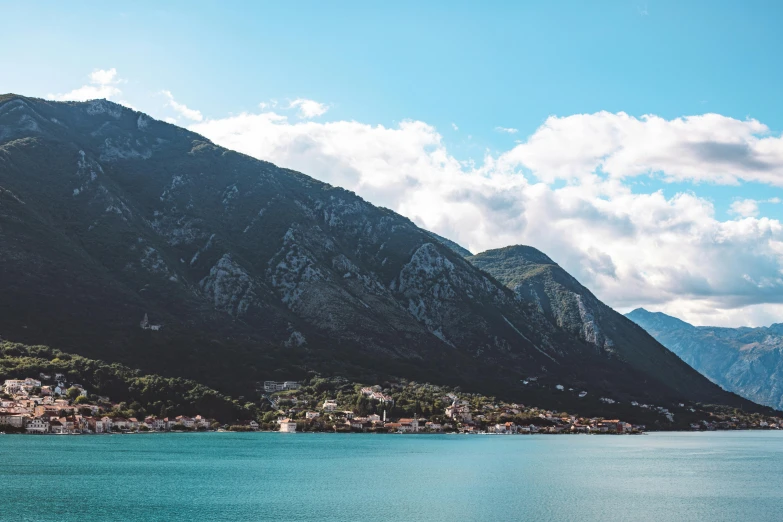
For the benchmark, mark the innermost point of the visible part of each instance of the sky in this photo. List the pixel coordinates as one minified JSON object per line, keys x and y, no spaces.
{"x":637,"y":143}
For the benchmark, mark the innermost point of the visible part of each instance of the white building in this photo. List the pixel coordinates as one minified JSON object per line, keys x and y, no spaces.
{"x":433,"y":426}
{"x":330,"y":405}
{"x":37,"y":425}
{"x":287,"y":426}
{"x":13,"y":386}
{"x":186,"y":421}
{"x":273,"y":386}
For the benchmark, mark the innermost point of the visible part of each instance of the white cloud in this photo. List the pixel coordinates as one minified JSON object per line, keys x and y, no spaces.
{"x":749,"y":207}
{"x":631,"y":249}
{"x":507,"y":130}
{"x":454,"y":126}
{"x":182,"y":109}
{"x":745,"y":208}
{"x":103,"y":84}
{"x":710,"y":147}
{"x":308,"y":109}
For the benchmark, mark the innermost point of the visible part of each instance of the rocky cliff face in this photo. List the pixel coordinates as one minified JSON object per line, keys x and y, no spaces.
{"x":250,"y":271}
{"x":747,"y":361}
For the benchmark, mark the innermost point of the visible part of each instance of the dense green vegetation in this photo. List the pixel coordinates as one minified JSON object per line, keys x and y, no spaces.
{"x":134,"y":393}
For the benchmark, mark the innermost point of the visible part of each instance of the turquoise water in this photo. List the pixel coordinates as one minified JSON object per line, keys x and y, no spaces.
{"x":270,"y":476}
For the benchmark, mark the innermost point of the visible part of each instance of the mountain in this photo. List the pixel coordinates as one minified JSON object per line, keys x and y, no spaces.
{"x":131,"y":240}
{"x":747,"y":361}
{"x":596,"y":328}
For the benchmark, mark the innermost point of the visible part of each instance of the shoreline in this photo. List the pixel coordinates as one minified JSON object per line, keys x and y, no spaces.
{"x":385,"y":433}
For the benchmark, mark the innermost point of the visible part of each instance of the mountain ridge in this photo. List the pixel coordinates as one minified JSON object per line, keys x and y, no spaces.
{"x":254,"y":271}
{"x":745,"y":360}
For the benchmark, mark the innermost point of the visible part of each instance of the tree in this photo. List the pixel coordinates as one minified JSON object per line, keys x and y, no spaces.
{"x":72,"y":393}
{"x":363,"y":405}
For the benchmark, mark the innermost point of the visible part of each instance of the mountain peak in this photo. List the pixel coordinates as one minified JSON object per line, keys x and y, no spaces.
{"x":655,"y":320}
{"x":9,"y":96}
{"x":520,"y":253}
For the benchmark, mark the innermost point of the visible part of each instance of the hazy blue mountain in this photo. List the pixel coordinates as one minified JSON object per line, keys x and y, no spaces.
{"x":747,"y":361}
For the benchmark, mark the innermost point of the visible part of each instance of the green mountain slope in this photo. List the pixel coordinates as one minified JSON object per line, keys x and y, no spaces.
{"x":252,"y":272}
{"x":596,"y":329}
{"x":149,"y":394}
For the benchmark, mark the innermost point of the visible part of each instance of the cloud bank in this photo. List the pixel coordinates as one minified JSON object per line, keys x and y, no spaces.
{"x":631,"y":249}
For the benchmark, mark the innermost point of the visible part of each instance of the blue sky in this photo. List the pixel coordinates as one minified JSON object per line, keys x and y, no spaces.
{"x":465,"y":69}
{"x":507,"y":64}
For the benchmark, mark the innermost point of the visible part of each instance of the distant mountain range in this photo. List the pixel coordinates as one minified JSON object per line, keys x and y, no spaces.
{"x":135,"y":241}
{"x":747,"y":361}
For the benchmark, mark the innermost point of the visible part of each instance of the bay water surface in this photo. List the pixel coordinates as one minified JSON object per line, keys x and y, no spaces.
{"x":271,"y":476}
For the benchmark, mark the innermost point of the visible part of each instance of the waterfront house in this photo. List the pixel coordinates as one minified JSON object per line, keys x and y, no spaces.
{"x":154,"y":423}
{"x":55,"y":426}
{"x":37,"y":425}
{"x":393,"y":427}
{"x":312,"y":415}
{"x":120,"y":423}
{"x":68,"y":423}
{"x":411,"y":425}
{"x":359,"y":424}
{"x":186,"y":421}
{"x":287,"y":425}
{"x":95,"y":425}
{"x":15,"y":420}
{"x":330,"y":405}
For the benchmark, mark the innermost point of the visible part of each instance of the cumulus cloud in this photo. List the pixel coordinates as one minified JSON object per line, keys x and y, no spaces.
{"x":749,"y":207}
{"x":711,"y":148}
{"x":631,"y":249}
{"x":103,"y":83}
{"x":182,"y":109}
{"x":308,"y":109}
{"x":745,"y":207}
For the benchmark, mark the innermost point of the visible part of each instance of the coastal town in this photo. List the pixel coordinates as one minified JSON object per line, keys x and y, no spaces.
{"x":369,"y":410}
{"x":30,"y":406}
{"x":51,"y":404}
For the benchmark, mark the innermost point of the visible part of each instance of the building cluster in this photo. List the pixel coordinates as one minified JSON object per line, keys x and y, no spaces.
{"x":459,"y":416}
{"x":375,"y":394}
{"x":484,"y":420}
{"x":32,"y":407}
